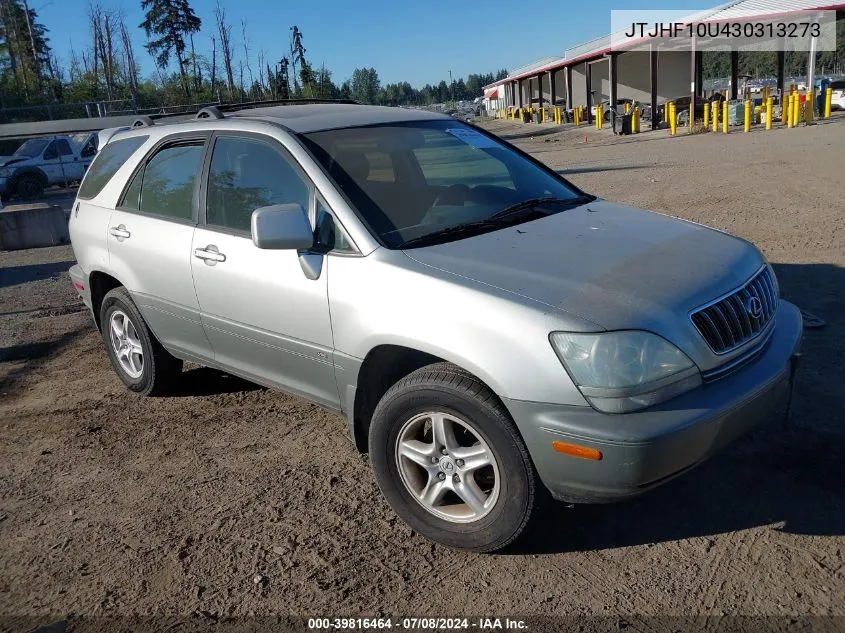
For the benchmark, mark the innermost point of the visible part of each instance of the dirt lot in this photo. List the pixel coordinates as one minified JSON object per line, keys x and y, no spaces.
{"x":227,"y":499}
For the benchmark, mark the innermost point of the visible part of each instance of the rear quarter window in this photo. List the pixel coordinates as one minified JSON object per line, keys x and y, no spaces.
{"x":106,"y":164}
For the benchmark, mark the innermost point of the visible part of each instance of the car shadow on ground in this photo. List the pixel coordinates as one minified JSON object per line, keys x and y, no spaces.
{"x":785,"y":476}
{"x":32,"y":354}
{"x":15,"y":275}
{"x":205,"y":381}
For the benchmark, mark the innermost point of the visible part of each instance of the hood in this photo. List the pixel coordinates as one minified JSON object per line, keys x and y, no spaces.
{"x":5,"y":161}
{"x":614,"y":265}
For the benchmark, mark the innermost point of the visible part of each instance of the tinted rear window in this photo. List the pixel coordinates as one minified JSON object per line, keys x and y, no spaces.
{"x":108,"y":161}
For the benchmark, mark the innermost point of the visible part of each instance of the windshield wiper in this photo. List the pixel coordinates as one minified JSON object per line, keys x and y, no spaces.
{"x":532,"y":203}
{"x":498,"y":220}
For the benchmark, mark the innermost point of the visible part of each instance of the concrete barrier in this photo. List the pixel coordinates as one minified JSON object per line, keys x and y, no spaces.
{"x":33,"y":227}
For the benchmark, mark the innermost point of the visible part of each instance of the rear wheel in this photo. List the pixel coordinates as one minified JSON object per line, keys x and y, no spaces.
{"x":139,"y":359}
{"x":450,"y":462}
{"x":29,"y":187}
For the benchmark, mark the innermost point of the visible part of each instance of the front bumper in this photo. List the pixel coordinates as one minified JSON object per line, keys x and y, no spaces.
{"x":644,"y":449}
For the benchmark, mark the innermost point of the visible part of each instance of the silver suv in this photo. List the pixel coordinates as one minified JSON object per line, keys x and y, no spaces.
{"x":492,"y":334}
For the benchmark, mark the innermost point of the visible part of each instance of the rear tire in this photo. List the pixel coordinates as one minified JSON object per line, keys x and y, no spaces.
{"x":473,"y":487}
{"x":143,"y":365}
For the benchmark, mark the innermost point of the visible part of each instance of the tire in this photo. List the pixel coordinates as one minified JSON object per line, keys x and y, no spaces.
{"x":29,"y":187}
{"x":143,"y":365}
{"x":509,"y":485}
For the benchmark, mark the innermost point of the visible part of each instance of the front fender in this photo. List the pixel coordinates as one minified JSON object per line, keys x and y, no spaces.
{"x":499,"y":338}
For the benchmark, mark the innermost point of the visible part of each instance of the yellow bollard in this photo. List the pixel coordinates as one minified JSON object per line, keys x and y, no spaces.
{"x":768,"y":113}
{"x":715,"y":116}
{"x":786,"y":106}
{"x":747,"y":113}
{"x":828,"y":98}
{"x":673,"y":120}
{"x":809,"y":106}
{"x":725,"y":117}
{"x":706,"y":115}
{"x":635,"y":121}
{"x":796,"y":109}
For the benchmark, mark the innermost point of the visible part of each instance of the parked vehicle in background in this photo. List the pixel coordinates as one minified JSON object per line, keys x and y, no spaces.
{"x":493,"y":335}
{"x":837,"y":97}
{"x":682,"y":108}
{"x":44,"y":162}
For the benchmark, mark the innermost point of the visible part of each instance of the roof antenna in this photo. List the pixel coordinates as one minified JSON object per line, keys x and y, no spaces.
{"x":210,"y":112}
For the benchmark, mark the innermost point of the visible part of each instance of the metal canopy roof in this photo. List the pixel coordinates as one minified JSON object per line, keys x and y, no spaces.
{"x":735,"y":10}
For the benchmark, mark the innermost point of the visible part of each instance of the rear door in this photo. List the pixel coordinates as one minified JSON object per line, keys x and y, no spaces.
{"x":149,"y":239}
{"x":264,"y":318}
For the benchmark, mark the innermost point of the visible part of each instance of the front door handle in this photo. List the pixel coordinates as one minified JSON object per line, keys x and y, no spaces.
{"x":120,"y":233}
{"x":210,"y":255}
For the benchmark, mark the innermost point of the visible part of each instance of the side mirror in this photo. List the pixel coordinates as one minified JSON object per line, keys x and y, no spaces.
{"x":282,"y":227}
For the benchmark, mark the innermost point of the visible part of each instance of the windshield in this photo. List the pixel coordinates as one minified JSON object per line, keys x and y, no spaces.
{"x":435,"y":179}
{"x":32,"y":148}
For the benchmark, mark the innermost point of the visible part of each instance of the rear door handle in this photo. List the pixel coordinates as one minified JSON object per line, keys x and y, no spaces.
{"x":120,"y":233}
{"x":210,"y":255}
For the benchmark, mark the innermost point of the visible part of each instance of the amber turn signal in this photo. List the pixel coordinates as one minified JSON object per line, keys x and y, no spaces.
{"x":585,"y":452}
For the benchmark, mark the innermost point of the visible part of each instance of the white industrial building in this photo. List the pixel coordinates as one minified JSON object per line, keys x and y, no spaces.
{"x":595,"y":71}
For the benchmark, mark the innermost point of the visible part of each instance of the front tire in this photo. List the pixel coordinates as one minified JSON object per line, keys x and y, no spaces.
{"x":143,"y":365}
{"x":29,"y":187}
{"x":450,"y":461}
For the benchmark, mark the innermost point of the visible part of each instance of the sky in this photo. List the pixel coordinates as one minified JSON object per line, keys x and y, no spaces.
{"x":418,"y":41}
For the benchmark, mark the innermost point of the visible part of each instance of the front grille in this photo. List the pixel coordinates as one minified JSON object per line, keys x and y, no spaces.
{"x":733,"y":320}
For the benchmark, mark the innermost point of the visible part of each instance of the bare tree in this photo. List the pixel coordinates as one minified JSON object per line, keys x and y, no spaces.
{"x":129,"y":60}
{"x":246,"y":54}
{"x":225,"y":32}
{"x":95,"y":32}
{"x":33,"y":48}
{"x":213,"y":64}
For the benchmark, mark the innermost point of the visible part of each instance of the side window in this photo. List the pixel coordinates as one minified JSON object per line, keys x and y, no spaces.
{"x":90,"y":149}
{"x":167,"y":188}
{"x":132,"y":196}
{"x":445,"y":161}
{"x":51,"y":152}
{"x":108,"y":161}
{"x":329,"y":236}
{"x":63,"y":147}
{"x":245,"y":175}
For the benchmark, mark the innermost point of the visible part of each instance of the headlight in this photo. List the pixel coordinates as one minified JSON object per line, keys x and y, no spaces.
{"x":620,"y":372}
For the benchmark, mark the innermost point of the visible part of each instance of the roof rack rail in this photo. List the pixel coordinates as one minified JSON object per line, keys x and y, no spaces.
{"x":249,"y":105}
{"x":209,"y":112}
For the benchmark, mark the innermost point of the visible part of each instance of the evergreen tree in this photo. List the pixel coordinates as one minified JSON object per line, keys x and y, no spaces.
{"x":168,"y":23}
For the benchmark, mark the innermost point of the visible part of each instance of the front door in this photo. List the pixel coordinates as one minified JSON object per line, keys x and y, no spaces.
{"x":149,"y":240}
{"x":264,"y":318}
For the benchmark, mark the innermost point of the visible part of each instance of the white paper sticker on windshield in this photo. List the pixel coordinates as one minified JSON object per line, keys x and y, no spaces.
{"x":471,"y":137}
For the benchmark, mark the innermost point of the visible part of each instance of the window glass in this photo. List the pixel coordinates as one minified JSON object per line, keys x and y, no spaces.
{"x":329,"y":236}
{"x":108,"y":161}
{"x":450,"y":181}
{"x":246,"y":175}
{"x":446,"y":160}
{"x":132,"y":196}
{"x":63,"y":147}
{"x":51,"y":153}
{"x":168,"y":186}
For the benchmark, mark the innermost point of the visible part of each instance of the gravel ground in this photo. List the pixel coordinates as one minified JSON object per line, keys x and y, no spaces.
{"x":227,"y":499}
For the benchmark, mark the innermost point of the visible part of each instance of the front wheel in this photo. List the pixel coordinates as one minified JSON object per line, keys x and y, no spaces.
{"x":450,"y":461}
{"x":29,"y":187}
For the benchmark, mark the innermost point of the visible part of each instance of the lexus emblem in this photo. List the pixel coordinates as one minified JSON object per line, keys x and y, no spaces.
{"x":754,"y":307}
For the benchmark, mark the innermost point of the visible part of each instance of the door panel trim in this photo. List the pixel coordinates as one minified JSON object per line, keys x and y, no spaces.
{"x":269,"y":339}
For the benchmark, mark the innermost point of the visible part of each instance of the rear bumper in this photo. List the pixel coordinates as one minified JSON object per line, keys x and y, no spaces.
{"x":642,"y":450}
{"x":80,"y":282}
